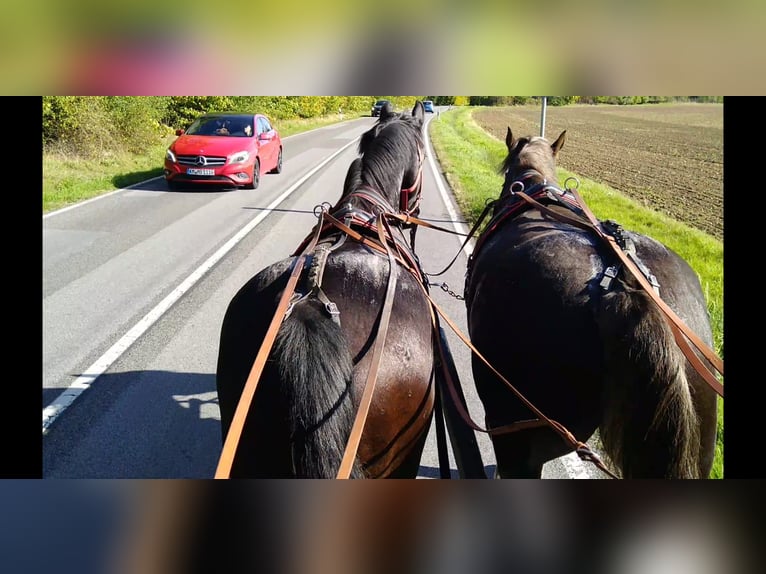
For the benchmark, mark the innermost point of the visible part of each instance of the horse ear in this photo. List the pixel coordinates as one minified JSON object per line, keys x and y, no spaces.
{"x":559,"y":143}
{"x":509,"y":139}
{"x":419,"y":111}
{"x":385,"y":112}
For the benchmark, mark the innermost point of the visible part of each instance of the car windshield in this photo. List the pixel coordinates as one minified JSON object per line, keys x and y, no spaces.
{"x":231,"y":126}
{"x":381,"y":103}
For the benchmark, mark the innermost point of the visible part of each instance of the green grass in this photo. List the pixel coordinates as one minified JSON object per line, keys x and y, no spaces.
{"x":470,"y":158}
{"x":69,"y":179}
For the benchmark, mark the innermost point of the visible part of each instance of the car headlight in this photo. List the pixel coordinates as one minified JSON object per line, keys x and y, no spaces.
{"x":169,"y":155}
{"x":239,"y":157}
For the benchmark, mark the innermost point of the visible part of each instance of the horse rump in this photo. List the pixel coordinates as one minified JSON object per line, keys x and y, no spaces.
{"x":650,"y":426}
{"x":315,"y":369}
{"x":302,"y":411}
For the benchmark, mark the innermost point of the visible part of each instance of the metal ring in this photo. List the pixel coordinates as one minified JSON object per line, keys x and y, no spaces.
{"x":576,"y":183}
{"x":323,"y":207}
{"x":517,"y":186}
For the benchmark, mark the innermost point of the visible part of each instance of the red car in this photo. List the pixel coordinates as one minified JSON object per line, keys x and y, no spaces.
{"x":224,"y":149}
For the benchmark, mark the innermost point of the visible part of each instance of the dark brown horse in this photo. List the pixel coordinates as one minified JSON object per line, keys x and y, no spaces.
{"x":552,"y":308}
{"x":312,"y":385}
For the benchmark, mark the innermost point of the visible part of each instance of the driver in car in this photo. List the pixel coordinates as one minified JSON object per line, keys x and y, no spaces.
{"x":223,"y":128}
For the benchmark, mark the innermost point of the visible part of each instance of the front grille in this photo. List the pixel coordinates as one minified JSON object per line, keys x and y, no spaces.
{"x":210,"y":160}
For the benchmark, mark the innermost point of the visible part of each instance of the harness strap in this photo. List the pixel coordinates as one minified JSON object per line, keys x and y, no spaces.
{"x":372,"y":376}
{"x":226,"y":459}
{"x":441,"y":438}
{"x":471,"y":233}
{"x":677,"y":325}
{"x":581,"y":448}
{"x":314,"y":279}
{"x":382,"y":248}
{"x":464,"y":446}
{"x":408,"y":219}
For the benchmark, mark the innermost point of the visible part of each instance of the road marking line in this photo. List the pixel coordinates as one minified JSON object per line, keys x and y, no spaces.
{"x":84,"y":381}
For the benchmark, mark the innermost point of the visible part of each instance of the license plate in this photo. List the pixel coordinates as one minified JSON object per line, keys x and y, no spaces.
{"x":200,"y":171}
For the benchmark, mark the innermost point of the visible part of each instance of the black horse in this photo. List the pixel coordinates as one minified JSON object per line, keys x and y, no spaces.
{"x":551,"y":307}
{"x":314,"y":381}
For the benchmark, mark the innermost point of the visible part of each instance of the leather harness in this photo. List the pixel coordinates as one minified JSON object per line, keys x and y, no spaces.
{"x":358,"y":225}
{"x":370,"y":229}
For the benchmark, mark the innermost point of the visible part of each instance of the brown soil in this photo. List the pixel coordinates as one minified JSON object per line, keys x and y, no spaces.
{"x":669,"y":157}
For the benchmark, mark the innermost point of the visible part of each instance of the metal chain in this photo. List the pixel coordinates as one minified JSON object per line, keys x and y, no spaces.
{"x":444,"y":287}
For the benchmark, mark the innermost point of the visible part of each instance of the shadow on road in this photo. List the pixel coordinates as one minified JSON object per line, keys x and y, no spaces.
{"x":138,"y":424}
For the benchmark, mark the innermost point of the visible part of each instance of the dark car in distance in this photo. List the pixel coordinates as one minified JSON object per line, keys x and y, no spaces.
{"x":428,"y":106}
{"x":375,"y":110}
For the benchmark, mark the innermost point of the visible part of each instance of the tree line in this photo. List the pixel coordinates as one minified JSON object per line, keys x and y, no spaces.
{"x":82,"y":124}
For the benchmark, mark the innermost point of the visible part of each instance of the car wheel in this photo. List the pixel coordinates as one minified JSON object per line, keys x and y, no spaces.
{"x":278,"y":167}
{"x":256,"y":175}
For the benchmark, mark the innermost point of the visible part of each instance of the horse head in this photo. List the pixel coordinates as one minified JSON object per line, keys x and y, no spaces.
{"x":530,"y":159}
{"x":391,"y":161}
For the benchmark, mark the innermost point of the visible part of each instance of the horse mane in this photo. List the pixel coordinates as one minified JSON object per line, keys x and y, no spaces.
{"x":353,"y":177}
{"x":382,"y":150}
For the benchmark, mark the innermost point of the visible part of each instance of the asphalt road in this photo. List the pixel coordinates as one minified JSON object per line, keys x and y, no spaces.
{"x":136,"y":284}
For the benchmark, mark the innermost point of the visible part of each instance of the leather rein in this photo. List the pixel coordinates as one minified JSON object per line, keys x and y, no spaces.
{"x":592,"y":224}
{"x":397,"y":255}
{"x":681,"y":332}
{"x":384,"y":243}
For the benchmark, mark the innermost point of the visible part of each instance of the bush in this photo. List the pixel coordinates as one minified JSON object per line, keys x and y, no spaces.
{"x":78,"y":125}
{"x":98,"y":126}
{"x":137,"y":120}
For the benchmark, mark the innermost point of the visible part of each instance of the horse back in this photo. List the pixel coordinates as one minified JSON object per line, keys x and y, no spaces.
{"x":530,"y":296}
{"x":542,"y":312}
{"x":355,"y":279}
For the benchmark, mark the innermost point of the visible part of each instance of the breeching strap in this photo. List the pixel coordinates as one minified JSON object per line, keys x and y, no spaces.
{"x":678,"y":327}
{"x":380,"y":339}
{"x":226,"y":459}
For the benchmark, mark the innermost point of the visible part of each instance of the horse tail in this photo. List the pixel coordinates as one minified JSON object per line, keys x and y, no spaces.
{"x":315,"y":367}
{"x":650,"y":427}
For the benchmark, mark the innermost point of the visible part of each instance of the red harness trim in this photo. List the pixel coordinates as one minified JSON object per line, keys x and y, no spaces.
{"x":513,"y":207}
{"x":404,"y":201}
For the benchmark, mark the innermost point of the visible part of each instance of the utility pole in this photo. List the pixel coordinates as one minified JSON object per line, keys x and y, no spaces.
{"x":542,"y":117}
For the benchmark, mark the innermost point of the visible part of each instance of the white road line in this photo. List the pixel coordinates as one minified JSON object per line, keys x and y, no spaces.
{"x":572,"y":464}
{"x":84,"y":381}
{"x":92,"y":199}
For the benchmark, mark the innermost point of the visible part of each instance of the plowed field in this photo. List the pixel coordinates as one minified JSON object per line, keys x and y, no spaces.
{"x":669,"y":157}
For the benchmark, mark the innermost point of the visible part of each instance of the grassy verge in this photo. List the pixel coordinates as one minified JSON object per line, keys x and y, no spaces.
{"x":70,"y":178}
{"x":469,"y":157}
